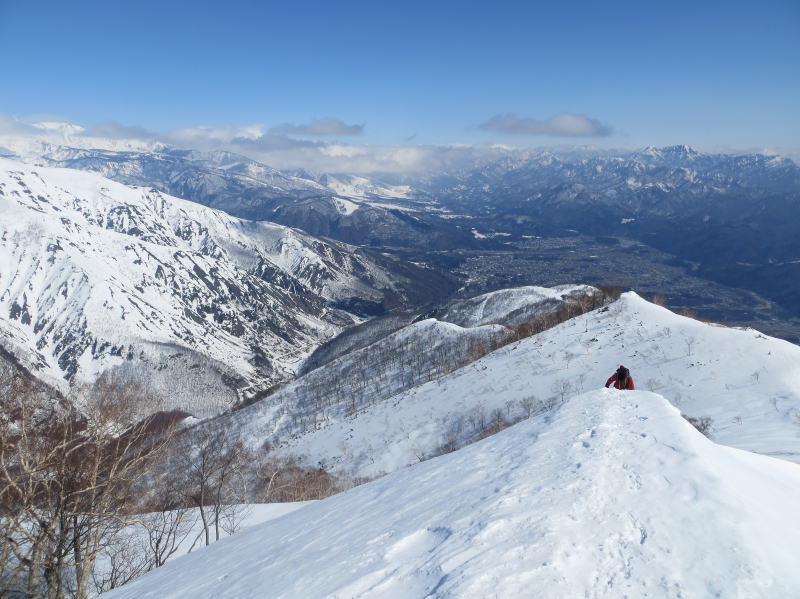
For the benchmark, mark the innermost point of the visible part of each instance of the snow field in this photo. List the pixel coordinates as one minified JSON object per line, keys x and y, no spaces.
{"x":703,"y":369}
{"x":422,"y":351}
{"x":611,"y":495}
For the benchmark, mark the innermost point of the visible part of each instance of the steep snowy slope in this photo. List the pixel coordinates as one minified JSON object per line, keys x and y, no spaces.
{"x":97,"y":276}
{"x":612,"y":495}
{"x":746,"y":383}
{"x":402,"y":360}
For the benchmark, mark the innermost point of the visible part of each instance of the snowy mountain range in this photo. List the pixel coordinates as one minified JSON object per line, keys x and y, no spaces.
{"x":101,"y":278}
{"x":346,"y":207}
{"x":726,"y":218}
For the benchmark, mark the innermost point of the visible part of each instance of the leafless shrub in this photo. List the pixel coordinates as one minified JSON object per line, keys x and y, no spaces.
{"x":702,"y":424}
{"x":477,"y":418}
{"x":527,"y":404}
{"x":611,"y":293}
{"x":562,"y":388}
{"x":124,"y":559}
{"x":167,"y":521}
{"x":233,"y":516}
{"x":659,"y":300}
{"x":689,"y":313}
{"x":495,"y":424}
{"x":450,"y":442}
{"x":286,"y":479}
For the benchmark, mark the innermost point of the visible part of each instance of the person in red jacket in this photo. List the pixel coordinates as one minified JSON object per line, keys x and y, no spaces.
{"x":622,"y":379}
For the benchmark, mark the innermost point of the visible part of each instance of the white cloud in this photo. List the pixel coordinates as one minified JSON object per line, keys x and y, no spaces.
{"x":15,"y":127}
{"x":114,"y":130}
{"x":255,"y":141}
{"x":325,"y":126}
{"x":565,"y":124}
{"x":213,"y":135}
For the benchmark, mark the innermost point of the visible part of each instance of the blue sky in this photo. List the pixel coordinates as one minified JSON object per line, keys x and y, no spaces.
{"x":710,"y":74}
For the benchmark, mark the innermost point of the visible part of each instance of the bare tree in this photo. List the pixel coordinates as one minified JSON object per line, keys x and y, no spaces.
{"x":66,"y":481}
{"x":167,"y":520}
{"x":527,"y":404}
{"x":562,"y":387}
{"x":211,"y":463}
{"x":123,"y":557}
{"x":581,"y":380}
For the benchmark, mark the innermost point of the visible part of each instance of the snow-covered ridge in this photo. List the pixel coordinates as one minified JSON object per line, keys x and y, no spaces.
{"x":98,"y":276}
{"x":352,"y":186}
{"x":393,"y":365}
{"x":748,"y":384}
{"x":613,"y":495}
{"x":513,"y":306}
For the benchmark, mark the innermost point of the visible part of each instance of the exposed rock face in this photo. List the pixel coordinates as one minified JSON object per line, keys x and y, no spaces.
{"x":97,"y":277}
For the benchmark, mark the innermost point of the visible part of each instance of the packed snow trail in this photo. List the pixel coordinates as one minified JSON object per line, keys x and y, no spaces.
{"x":612,"y":495}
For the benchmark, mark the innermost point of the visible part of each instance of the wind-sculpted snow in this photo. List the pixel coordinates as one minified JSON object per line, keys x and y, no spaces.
{"x":613,"y":495}
{"x":97,"y":277}
{"x":748,"y":384}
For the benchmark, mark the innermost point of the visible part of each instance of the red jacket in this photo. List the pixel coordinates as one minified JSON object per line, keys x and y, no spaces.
{"x":617,"y":384}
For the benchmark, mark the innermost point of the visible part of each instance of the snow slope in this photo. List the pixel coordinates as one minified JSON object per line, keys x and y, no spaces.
{"x":382,"y":367}
{"x":419,"y":352}
{"x":511,"y":307}
{"x":612,"y":495}
{"x":190,"y":534}
{"x":746,"y":382}
{"x":506,"y":307}
{"x":95,"y":275}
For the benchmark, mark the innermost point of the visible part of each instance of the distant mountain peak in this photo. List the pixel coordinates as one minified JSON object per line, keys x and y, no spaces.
{"x":102,"y":277}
